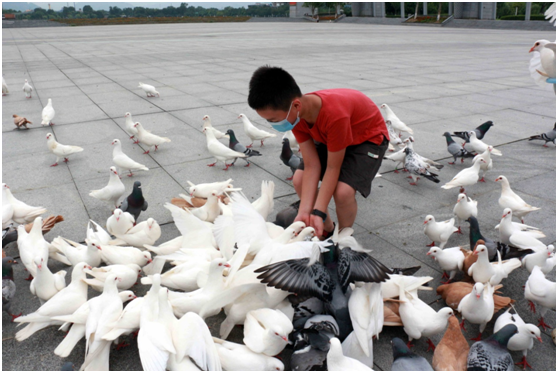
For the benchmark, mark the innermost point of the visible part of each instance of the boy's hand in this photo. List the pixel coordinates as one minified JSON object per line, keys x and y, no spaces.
{"x":318,"y":224}
{"x":303,"y":217}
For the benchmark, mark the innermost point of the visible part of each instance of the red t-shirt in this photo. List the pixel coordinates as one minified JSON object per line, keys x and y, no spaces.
{"x":347,"y":117}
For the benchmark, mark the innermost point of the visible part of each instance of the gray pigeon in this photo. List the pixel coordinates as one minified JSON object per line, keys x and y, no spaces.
{"x":68,"y":366}
{"x":134,"y":203}
{"x":405,"y":360}
{"x":546,"y":137}
{"x":492,"y":353}
{"x":414,"y":167}
{"x":8,"y":286}
{"x":289,"y":158}
{"x":456,"y":150}
{"x":311,"y":342}
{"x":238,"y":147}
{"x":480,"y":131}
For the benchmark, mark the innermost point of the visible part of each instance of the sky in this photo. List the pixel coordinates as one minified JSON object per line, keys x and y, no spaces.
{"x":151,"y":4}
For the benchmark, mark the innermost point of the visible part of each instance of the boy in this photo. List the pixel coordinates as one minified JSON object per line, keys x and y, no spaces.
{"x":342,"y":137}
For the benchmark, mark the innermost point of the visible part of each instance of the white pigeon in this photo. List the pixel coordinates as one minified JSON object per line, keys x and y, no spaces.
{"x":149,"y":139}
{"x":204,"y":190}
{"x":45,"y":284}
{"x":336,"y":361}
{"x":266,"y":331}
{"x":59,"y":150}
{"x":450,"y":259}
{"x":478,"y":146}
{"x":463,"y":209}
{"x":129,"y":320}
{"x":124,"y":162}
{"x":526,"y":335}
{"x":399,"y":156}
{"x":543,"y":63}
{"x":519,"y":235}
{"x":550,"y":14}
{"x":219,"y":151}
{"x":22,"y":212}
{"x":113,"y":191}
{"x":238,"y":357}
{"x":76,"y":252}
{"x":484,"y":271}
{"x":154,"y":338}
{"x":144,"y":233}
{"x":366,"y":308}
{"x":123,"y":255}
{"x":418,"y":318}
{"x":394,"y":139}
{"x":264,"y":204}
{"x":423,"y":161}
{"x":466,"y":177}
{"x":7,"y":211}
{"x":439,"y":231}
{"x":477,"y":307}
{"x":540,"y":258}
{"x":508,"y":198}
{"x":5,"y":89}
{"x":148,"y":89}
{"x":120,"y":222}
{"x":31,"y":245}
{"x":295,"y":147}
{"x":218,"y":134}
{"x":487,"y":166}
{"x":253,"y":132}
{"x":396,"y":123}
{"x":184,"y":276}
{"x":411,"y":284}
{"x":48,"y":114}
{"x":96,"y":233}
{"x":195,"y":233}
{"x":104,"y":311}
{"x":65,"y":302}
{"x":130,"y":128}
{"x":27,"y":89}
{"x":78,"y":319}
{"x":539,"y":290}
{"x":210,"y":210}
{"x":127,"y":273}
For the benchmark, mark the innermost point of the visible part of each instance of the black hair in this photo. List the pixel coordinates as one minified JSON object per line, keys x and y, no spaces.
{"x":272,"y":88}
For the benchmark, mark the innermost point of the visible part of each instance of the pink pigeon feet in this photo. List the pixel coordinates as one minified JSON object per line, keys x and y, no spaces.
{"x":213,"y":164}
{"x":542,"y":324}
{"x":226,"y":168}
{"x":396,"y":171}
{"x":431,"y":346}
{"x":462,"y":160}
{"x":248,"y":165}
{"x":121,"y":345}
{"x":481,"y":180}
{"x":544,"y":146}
{"x":524,"y":363}
{"x":54,"y":165}
{"x":451,"y":162}
{"x":409,"y":344}
{"x":462,"y":325}
{"x":290,"y":178}
{"x":29,"y":278}
{"x":444,"y":275}
{"x":261,"y":144}
{"x":532,"y":307}
{"x":462,"y":190}
{"x":432,"y":244}
{"x":66,"y":160}
{"x":146,"y":152}
{"x":130,"y":174}
{"x":478,"y":338}
{"x":415,"y":184}
{"x":249,"y":146}
{"x":15,"y":316}
{"x":459,"y":230}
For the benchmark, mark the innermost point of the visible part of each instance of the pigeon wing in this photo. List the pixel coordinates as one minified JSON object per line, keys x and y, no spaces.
{"x":295,"y":276}
{"x":357,"y":266}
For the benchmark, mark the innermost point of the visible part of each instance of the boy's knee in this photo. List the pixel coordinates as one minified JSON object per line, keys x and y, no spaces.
{"x":297,"y":179}
{"x":343,"y":193}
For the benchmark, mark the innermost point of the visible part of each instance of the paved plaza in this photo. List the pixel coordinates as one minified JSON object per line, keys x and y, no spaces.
{"x":434,"y":79}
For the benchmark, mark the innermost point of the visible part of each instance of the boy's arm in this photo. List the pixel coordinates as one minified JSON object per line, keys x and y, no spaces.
{"x":310,"y":179}
{"x":329,"y":183}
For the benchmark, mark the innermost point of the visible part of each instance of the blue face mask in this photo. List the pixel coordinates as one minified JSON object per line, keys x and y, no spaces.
{"x":285,"y":125}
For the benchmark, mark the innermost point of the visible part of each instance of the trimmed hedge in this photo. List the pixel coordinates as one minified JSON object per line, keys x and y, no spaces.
{"x":521,"y":17}
{"x":147,"y":20}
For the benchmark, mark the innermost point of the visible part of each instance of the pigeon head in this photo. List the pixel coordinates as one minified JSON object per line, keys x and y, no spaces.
{"x":115,"y":142}
{"x":383,"y":106}
{"x":507,"y":212}
{"x":128,"y":114}
{"x":446,"y":312}
{"x":78,"y":271}
{"x":206,"y":117}
{"x":501,"y":178}
{"x":434,"y":251}
{"x":538,"y":46}
{"x":481,"y":249}
{"x":278,"y":333}
{"x":113,"y":170}
{"x":117,"y":213}
{"x":550,"y":250}
{"x":147,"y":256}
{"x":49,"y":136}
{"x":477,"y":290}
{"x":534,"y":332}
{"x":25,"y":80}
{"x":400,"y":348}
{"x":472,"y":134}
{"x":137,"y":185}
{"x":150,"y":223}
{"x":137,"y":124}
{"x":4,"y":186}
{"x":38,"y":262}
{"x":429,"y":219}
{"x":128,"y":295}
{"x":14,"y":115}
{"x":461,"y":197}
{"x":408,"y":151}
{"x":241,"y":116}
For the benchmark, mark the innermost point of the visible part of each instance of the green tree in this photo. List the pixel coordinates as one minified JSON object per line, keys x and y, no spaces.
{"x":182,"y":9}
{"x":312,"y":6}
{"x":128,"y":12}
{"x":115,"y":11}
{"x":87,"y":9}
{"x":100,"y":14}
{"x":38,"y":13}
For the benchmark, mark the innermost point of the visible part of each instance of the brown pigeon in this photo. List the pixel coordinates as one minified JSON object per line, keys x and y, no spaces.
{"x":21,"y":122}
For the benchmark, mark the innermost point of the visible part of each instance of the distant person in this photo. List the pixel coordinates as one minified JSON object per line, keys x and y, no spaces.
{"x":342,"y":137}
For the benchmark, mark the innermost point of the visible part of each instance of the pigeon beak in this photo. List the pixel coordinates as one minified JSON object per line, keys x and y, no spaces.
{"x":149,"y":261}
{"x":497,"y":179}
{"x":284,"y":338}
{"x":539,"y":339}
{"x":532,"y":49}
{"x":227,"y":265}
{"x":475,"y":252}
{"x":478,"y":296}
{"x":428,"y":253}
{"x":89,"y":267}
{"x":118,"y":218}
{"x":425,"y":222}
{"x":40,"y":266}
{"x":503,"y":216}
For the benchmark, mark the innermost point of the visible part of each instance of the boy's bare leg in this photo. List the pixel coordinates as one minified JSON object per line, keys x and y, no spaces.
{"x":345,"y":204}
{"x":297,"y":183}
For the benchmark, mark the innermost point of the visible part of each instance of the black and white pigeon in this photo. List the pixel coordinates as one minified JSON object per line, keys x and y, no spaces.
{"x":506,"y":251}
{"x":8,"y":235}
{"x":311,"y":342}
{"x":492,"y":354}
{"x":134,"y":203}
{"x":8,"y":286}
{"x":456,"y":150}
{"x":405,"y":360}
{"x":327,"y":281}
{"x":546,"y":137}
{"x":415,"y":168}
{"x":289,"y":158}
{"x":480,"y":131}
{"x":236,"y":146}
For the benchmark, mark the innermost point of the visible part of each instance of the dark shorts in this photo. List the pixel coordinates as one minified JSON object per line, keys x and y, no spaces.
{"x":360,"y":165}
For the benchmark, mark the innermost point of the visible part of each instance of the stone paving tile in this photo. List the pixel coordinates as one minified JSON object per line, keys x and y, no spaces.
{"x":92,"y":75}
